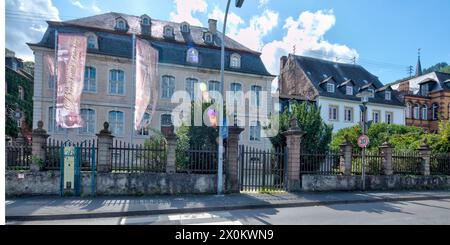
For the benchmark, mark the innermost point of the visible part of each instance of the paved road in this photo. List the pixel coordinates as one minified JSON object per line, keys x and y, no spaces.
{"x":431,"y":212}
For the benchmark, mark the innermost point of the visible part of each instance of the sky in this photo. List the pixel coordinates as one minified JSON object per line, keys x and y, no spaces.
{"x":382,"y":35}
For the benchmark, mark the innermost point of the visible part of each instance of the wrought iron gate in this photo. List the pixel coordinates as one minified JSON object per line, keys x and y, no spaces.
{"x":262,"y":170}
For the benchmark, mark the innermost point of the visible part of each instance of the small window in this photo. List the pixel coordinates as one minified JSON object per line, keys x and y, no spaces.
{"x":90,"y":84}
{"x":166,"y":120}
{"x":424,"y":89}
{"x":208,"y":38}
{"x":372,"y":91}
{"x":408,"y":110}
{"x":376,"y":116}
{"x":167,"y":87}
{"x":116,"y":121}
{"x":387,"y":95}
{"x":255,"y":131}
{"x":145,"y":125}
{"x":92,"y":41}
{"x":349,"y":90}
{"x":21,"y":93}
{"x":145,"y":20}
{"x":235,"y":61}
{"x":190,"y":87}
{"x":185,"y":27}
{"x":88,"y":116}
{"x":435,"y":112}
{"x":330,"y":88}
{"x":416,"y":112}
{"x":192,"y":56}
{"x":214,"y":86}
{"x":121,"y":24}
{"x":348,"y":117}
{"x":256,"y":95}
{"x":333,"y":113}
{"x":424,"y":112}
{"x":117,"y":82}
{"x":389,"y":118}
{"x":168,"y":32}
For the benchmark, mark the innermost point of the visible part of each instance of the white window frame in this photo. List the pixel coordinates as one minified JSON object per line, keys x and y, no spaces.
{"x":256,"y":95}
{"x":349,"y":90}
{"x":388,"y":95}
{"x":330,"y":88}
{"x":255,"y":131}
{"x":82,"y":130}
{"x":90,"y":80}
{"x":408,"y":110}
{"x":92,"y":41}
{"x":118,"y":82}
{"x":424,"y":112}
{"x":372,"y":91}
{"x":119,"y":24}
{"x":161,"y":120}
{"x":416,"y":112}
{"x":208,"y":38}
{"x":346,"y":119}
{"x":435,"y":112}
{"x":235,"y":61}
{"x":192,"y":56}
{"x":170,"y":87}
{"x":168,"y":29}
{"x":114,"y":123}
{"x":190,"y":83}
{"x":377,"y":118}
{"x":333,"y":113}
{"x":391,"y":120}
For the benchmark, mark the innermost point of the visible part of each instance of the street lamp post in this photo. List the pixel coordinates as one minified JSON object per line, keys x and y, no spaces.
{"x":364,"y":95}
{"x":238,"y":4}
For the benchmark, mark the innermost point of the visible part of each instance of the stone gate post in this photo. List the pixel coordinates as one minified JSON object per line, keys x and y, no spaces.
{"x":293,"y":140}
{"x":425,"y":154}
{"x":345,"y":161}
{"x":105,"y":142}
{"x":39,"y":144}
{"x":231,"y":175}
{"x":386,"y":158}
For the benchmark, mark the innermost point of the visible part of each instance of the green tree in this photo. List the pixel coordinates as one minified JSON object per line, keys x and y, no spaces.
{"x":445,"y":69}
{"x":317,"y":134}
{"x":435,"y":67}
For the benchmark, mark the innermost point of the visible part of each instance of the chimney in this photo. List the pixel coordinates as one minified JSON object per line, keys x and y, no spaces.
{"x":404,"y":87}
{"x":212,"y":26}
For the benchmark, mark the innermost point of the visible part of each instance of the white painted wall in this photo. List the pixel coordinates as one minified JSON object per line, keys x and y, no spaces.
{"x":325,"y":103}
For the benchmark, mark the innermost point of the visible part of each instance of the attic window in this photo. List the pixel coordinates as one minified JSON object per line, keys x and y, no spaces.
{"x":121,"y":24}
{"x":145,"y":21}
{"x":208,"y":37}
{"x":168,"y":31}
{"x":372,"y":91}
{"x":185,"y":27}
{"x":330,"y":88}
{"x":387,"y":95}
{"x":235,"y":61}
{"x":192,"y":56}
{"x":92,"y":41}
{"x":349,"y":90}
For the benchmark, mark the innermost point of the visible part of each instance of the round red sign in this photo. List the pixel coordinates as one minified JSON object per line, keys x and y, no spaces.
{"x":363,"y":141}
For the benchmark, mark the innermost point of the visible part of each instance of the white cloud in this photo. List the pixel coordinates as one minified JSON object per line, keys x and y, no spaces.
{"x":185,"y":10}
{"x":259,"y":26}
{"x":93,"y":7}
{"x":25,"y":22}
{"x":262,"y":3}
{"x":307,"y":34}
{"x":77,"y":3}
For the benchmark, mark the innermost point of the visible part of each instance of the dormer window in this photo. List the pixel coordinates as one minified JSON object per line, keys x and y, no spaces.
{"x":121,"y":24}
{"x":192,"y":56}
{"x":185,"y":27}
{"x":168,"y":32}
{"x":92,"y":41}
{"x":330,"y":88}
{"x":372,"y":91}
{"x":235,"y":61}
{"x":208,"y":37}
{"x":387,"y":95}
{"x":349,"y":90}
{"x":145,"y":20}
{"x":425,"y":89}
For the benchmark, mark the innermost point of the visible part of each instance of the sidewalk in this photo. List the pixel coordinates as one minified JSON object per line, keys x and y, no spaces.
{"x":54,"y":208}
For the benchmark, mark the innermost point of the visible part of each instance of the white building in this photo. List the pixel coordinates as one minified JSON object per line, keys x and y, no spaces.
{"x":333,"y":87}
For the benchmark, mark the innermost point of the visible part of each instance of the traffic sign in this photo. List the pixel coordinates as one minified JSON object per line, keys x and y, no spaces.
{"x":363,"y":141}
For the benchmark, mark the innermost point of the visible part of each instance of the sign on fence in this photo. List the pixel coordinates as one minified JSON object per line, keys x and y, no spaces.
{"x":363,"y":141}
{"x":69,"y":167}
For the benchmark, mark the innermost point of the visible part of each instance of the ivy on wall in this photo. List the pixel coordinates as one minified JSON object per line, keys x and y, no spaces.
{"x":13,"y":101}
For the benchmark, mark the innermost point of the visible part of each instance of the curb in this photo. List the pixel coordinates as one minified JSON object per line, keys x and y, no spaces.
{"x":215,"y":209}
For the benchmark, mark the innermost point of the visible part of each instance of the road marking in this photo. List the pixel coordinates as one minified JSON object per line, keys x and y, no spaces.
{"x":9,"y":202}
{"x":221,"y":223}
{"x":192,"y":216}
{"x":123,"y":221}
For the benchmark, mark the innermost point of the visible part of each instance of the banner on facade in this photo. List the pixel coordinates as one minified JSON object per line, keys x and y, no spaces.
{"x":49,"y":61}
{"x":71,"y":62}
{"x":146,"y":79}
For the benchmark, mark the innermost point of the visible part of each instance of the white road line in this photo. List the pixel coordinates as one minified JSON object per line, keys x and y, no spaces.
{"x":123,"y":221}
{"x":192,"y":216}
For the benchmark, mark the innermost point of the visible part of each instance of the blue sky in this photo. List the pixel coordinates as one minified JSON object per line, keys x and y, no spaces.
{"x":383,"y":35}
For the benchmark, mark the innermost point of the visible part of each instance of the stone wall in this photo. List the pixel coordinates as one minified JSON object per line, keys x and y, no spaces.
{"x":373,"y":183}
{"x":47,"y":183}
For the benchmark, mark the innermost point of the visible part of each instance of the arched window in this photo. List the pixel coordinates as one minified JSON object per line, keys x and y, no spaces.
{"x":90,"y":79}
{"x":424,"y":112}
{"x":168,"y":31}
{"x":167,"y":87}
{"x":435,"y":112}
{"x":116,"y":82}
{"x":416,"y":111}
{"x":145,"y":125}
{"x":185,"y":27}
{"x":208,"y":37}
{"x":121,"y":24}
{"x":145,"y":20}
{"x":89,"y":118}
{"x":21,"y":93}
{"x":116,"y":121}
{"x":408,"y":110}
{"x":192,"y":56}
{"x":235,"y":61}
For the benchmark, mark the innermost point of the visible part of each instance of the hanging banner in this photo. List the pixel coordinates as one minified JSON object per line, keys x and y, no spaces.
{"x":49,"y":61}
{"x":146,"y":79}
{"x":71,"y":62}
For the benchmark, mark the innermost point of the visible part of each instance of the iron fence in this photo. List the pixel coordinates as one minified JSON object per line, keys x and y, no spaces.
{"x":199,"y":159}
{"x":406,"y":162}
{"x":53,"y":153}
{"x":131,"y":158}
{"x":18,"y":156}
{"x":373,"y":162}
{"x":262,"y":170}
{"x":320,"y":162}
{"x":440,"y":164}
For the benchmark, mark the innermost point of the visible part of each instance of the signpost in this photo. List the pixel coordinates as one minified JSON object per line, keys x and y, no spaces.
{"x":363,"y":142}
{"x":70,"y":169}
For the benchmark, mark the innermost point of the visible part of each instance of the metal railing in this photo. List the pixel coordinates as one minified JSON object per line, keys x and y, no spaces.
{"x":440,"y":164}
{"x":199,"y":159}
{"x":406,"y":162}
{"x":18,"y":156}
{"x":320,"y":162}
{"x":131,"y":158}
{"x":373,"y":162}
{"x":53,"y":153}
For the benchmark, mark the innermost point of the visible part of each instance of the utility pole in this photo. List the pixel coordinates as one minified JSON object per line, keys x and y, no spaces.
{"x":410,"y":70}
{"x":354,"y":60}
